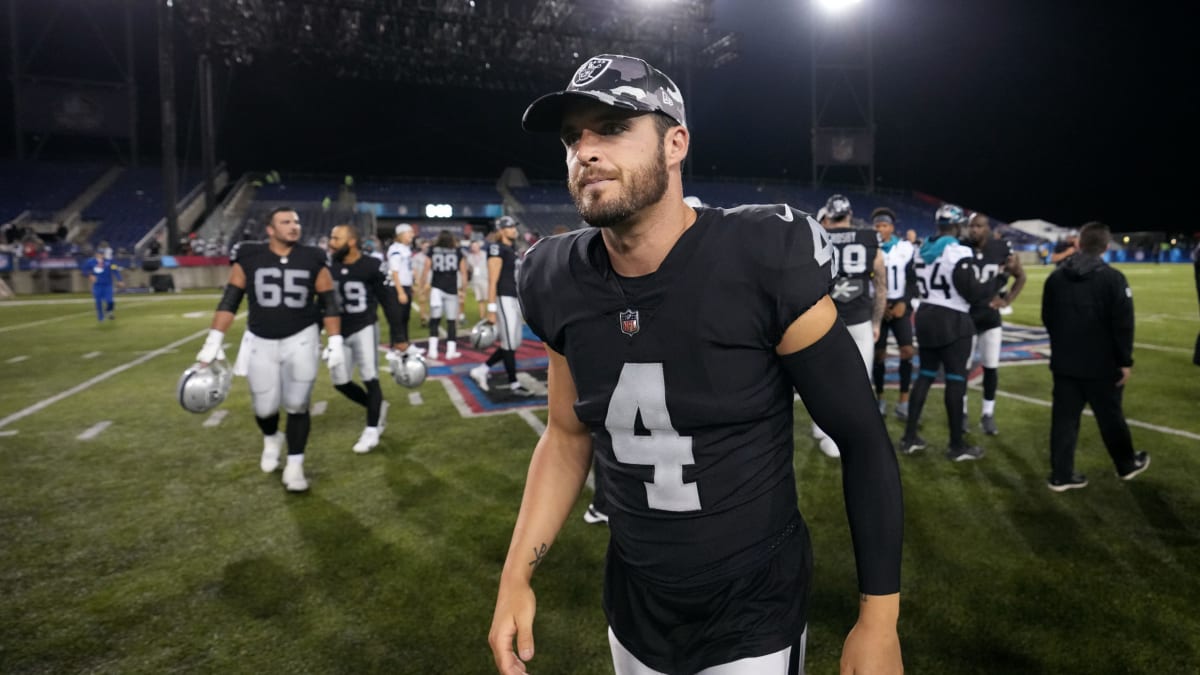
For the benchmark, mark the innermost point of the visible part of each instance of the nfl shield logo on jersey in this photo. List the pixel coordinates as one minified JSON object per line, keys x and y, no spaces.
{"x":629,"y":322}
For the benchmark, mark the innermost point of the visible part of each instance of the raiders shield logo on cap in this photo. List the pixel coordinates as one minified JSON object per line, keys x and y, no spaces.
{"x":590,"y":71}
{"x":629,"y":322}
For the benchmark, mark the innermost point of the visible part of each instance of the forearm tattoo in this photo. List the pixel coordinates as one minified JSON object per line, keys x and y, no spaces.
{"x":539,"y":554}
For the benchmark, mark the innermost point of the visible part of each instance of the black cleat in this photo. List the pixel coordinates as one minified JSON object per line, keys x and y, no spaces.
{"x":964,"y":454}
{"x":988,"y":424}
{"x":1141,"y":460}
{"x":910,"y":446}
{"x":1076,"y":481}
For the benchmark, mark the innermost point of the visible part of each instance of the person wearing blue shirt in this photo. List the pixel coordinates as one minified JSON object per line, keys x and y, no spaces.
{"x":101,"y":274}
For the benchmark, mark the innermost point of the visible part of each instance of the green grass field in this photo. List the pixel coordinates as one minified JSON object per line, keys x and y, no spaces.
{"x":158,"y":546}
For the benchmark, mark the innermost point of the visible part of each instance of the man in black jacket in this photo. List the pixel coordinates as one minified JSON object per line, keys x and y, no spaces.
{"x":1087,"y":308}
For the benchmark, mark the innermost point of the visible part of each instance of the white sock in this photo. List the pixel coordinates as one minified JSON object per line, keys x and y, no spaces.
{"x":433,"y":345}
{"x":989,"y":407}
{"x":965,"y":411}
{"x":514,"y":385}
{"x":374,"y":430}
{"x":451,"y":346}
{"x":296,"y":460}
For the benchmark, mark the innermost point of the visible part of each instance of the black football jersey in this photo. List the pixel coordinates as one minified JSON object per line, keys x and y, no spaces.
{"x":444,"y":263}
{"x":507,"y":285}
{"x":280,"y":289}
{"x":853,"y":269}
{"x":678,"y":380}
{"x":989,"y":267}
{"x":360,"y":286}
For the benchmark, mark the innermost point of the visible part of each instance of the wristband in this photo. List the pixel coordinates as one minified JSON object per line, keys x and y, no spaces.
{"x":491,"y":307}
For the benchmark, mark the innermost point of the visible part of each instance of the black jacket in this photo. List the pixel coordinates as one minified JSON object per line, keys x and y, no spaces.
{"x":1087,"y":307}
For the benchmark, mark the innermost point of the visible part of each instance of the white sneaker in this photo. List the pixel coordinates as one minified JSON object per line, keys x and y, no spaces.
{"x":272,"y":448}
{"x":293,"y":478}
{"x":451,"y":350}
{"x":383,"y":411}
{"x":830,"y":448}
{"x":415,"y":350}
{"x":368,"y":440}
{"x":480,"y":375}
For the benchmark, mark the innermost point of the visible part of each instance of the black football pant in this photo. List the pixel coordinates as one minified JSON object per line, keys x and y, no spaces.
{"x":1070,"y":395}
{"x":952,"y":358}
{"x":405,"y":312}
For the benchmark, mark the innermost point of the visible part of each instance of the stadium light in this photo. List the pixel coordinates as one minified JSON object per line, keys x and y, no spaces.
{"x":836,"y":6}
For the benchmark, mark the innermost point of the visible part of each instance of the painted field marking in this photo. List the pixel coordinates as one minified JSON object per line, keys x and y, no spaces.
{"x":8,"y":432}
{"x":94,"y":430}
{"x":1132,"y":423}
{"x":92,"y":355}
{"x":215,"y":418}
{"x":414,"y":398}
{"x":17,"y":359}
{"x":88,"y":384}
{"x":1159,"y":348}
{"x":319,"y":407}
{"x":534,"y":423}
{"x":31,"y":324}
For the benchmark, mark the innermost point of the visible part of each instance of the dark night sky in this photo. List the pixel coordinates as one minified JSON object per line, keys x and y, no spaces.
{"x":1068,"y":111}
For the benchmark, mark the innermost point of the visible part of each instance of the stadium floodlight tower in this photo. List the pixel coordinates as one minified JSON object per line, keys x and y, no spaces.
{"x":843,"y":96}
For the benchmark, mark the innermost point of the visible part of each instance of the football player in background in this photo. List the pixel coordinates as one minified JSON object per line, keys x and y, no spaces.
{"x":446,"y":278}
{"x":995,"y":265}
{"x":898,"y":257}
{"x":859,"y":289}
{"x":279,"y":352}
{"x":948,"y":287}
{"x":102,"y":273}
{"x":364,"y":284}
{"x":399,"y":259}
{"x":503,"y":308}
{"x":675,"y":337}
{"x":420,"y":261}
{"x":477,"y":264}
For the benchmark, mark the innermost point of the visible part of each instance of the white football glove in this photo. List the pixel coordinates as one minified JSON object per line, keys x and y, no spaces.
{"x":335,"y":356}
{"x":212,"y":351}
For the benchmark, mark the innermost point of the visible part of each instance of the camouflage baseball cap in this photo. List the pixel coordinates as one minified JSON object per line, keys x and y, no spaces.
{"x":619,"y":81}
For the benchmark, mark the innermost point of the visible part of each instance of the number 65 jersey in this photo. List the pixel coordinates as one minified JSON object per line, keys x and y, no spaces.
{"x":280,"y":289}
{"x":678,"y":381}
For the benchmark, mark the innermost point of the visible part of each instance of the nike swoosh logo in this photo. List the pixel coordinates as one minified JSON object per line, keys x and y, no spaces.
{"x":786,"y":216}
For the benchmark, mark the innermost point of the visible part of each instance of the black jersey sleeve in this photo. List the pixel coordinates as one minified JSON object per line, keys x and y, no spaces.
{"x":802,"y":269}
{"x":544,"y":266}
{"x":967,"y":282}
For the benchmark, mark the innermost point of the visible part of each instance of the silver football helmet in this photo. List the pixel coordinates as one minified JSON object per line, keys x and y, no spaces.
{"x":408,"y":370}
{"x":202,"y":388}
{"x":483,"y":335}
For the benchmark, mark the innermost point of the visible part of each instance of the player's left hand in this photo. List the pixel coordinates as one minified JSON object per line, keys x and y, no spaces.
{"x":335,"y":356}
{"x":871,"y":650}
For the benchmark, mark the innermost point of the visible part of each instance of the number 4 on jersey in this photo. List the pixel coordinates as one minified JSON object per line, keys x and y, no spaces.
{"x":642,"y":389}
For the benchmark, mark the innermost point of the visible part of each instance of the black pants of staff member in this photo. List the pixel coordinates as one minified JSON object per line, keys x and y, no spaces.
{"x":405,"y":313}
{"x":1070,"y":395}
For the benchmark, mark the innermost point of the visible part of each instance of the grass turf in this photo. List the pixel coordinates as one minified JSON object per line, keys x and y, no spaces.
{"x":159,"y":546}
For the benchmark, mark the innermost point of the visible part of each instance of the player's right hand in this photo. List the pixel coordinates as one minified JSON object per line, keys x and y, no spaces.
{"x":212,"y":350}
{"x":513,"y":620}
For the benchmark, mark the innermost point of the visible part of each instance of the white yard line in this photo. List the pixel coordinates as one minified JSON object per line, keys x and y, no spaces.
{"x":17,"y":359}
{"x":319,"y":407}
{"x":414,"y":398}
{"x":538,"y":427}
{"x":1132,"y":423}
{"x":131,"y":299}
{"x":1160,"y":348}
{"x":92,"y":355}
{"x":94,"y":430}
{"x":88,"y":384}
{"x":8,"y":432}
{"x":31,"y":324}
{"x":215,"y":418}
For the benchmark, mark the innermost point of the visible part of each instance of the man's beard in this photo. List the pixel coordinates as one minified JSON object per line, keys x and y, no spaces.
{"x":339,"y":254}
{"x":645,"y":186}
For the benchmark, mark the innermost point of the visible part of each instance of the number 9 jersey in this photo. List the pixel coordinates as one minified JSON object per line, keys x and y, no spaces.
{"x":280,"y":289}
{"x":677,"y":379}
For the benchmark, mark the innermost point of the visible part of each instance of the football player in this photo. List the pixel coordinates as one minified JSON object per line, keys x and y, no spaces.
{"x":446,"y":278}
{"x":898,"y":257}
{"x":283,"y":280}
{"x":859,"y":288}
{"x":504,"y":306}
{"x":948,"y":286}
{"x":995,"y":264}
{"x":675,"y":337}
{"x":101,"y":272}
{"x":477,"y":264}
{"x":399,"y":258}
{"x":363,"y":284}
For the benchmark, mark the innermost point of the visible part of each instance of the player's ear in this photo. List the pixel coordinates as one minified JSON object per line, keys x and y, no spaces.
{"x":676,"y":140}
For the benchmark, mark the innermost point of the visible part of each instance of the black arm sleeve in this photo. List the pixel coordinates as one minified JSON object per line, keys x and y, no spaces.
{"x":231,"y":299}
{"x":1122,"y":320}
{"x":830,"y":378}
{"x":385,"y":293}
{"x":967,"y":283}
{"x":329,"y":301}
